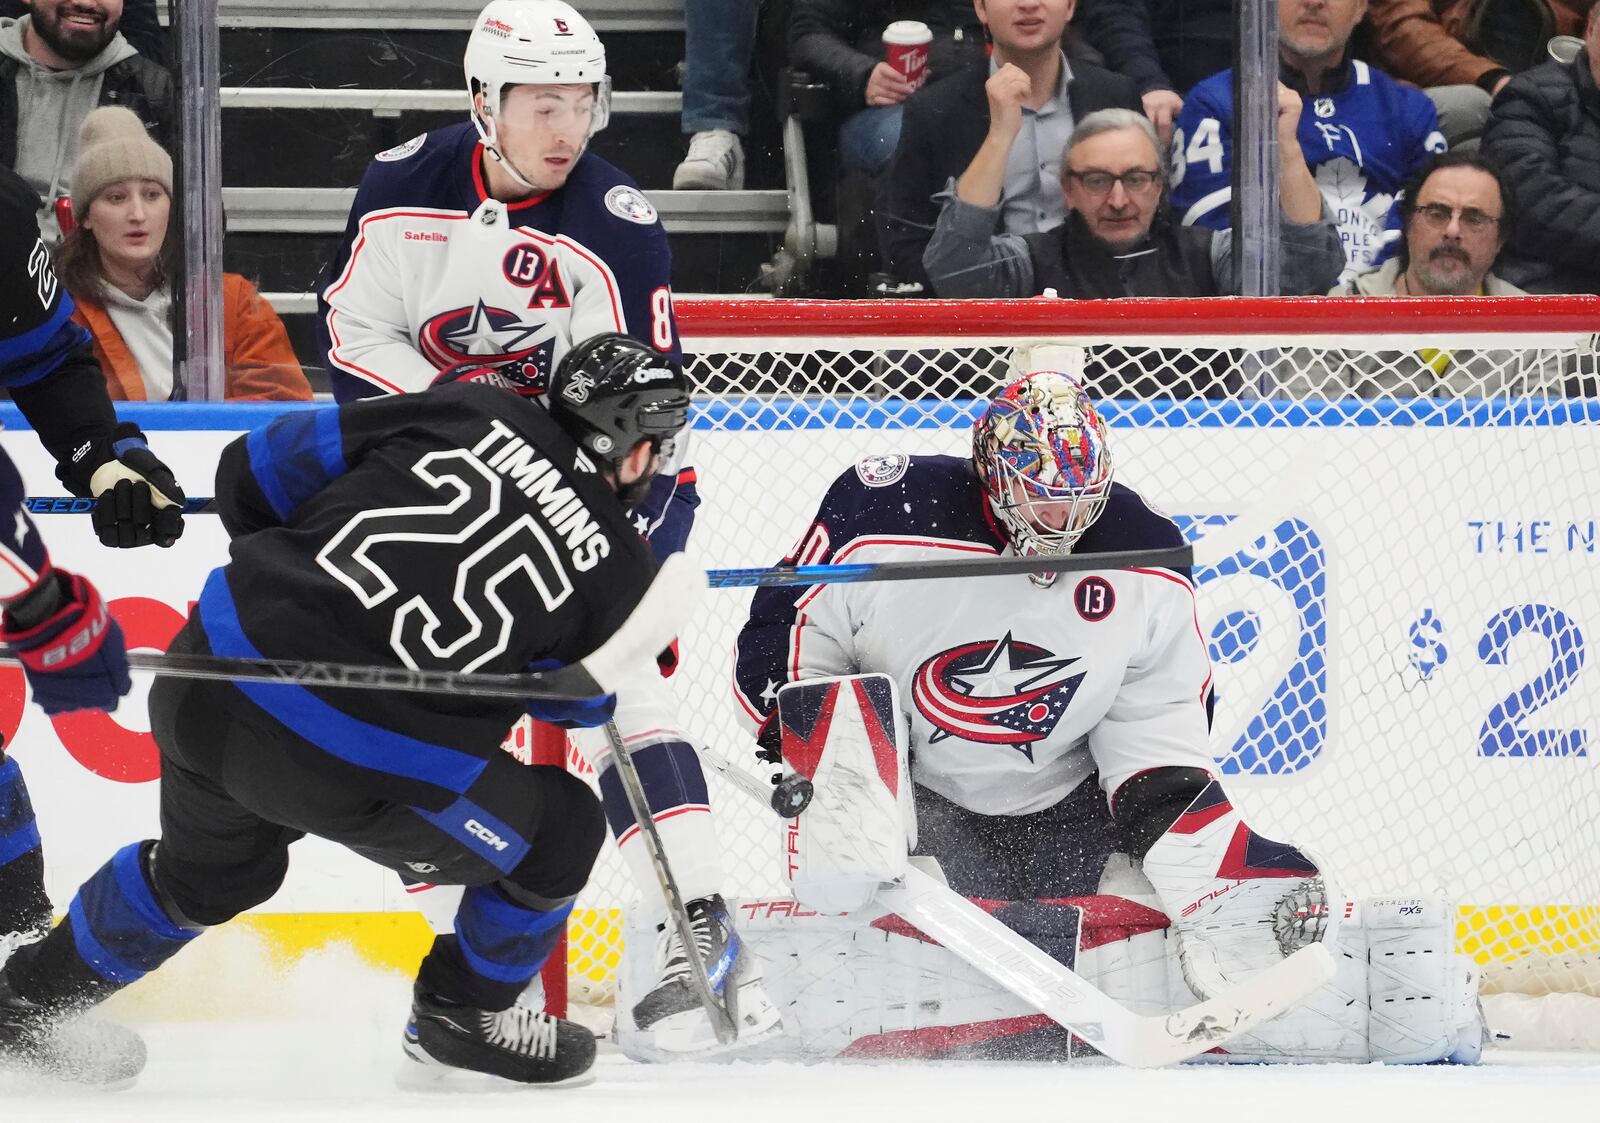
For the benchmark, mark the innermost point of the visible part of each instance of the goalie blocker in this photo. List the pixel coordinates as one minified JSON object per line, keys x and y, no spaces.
{"x":867,"y":983}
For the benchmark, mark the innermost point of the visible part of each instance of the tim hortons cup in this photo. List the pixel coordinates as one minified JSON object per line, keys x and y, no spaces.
{"x":905,"y":47}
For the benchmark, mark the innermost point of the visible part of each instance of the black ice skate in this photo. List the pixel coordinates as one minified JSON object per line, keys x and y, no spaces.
{"x":520,"y":1044}
{"x":79,"y":1050}
{"x":670,"y":1019}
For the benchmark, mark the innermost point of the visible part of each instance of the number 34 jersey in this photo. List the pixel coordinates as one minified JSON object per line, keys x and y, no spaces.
{"x":1015,"y":694}
{"x":459,"y":529}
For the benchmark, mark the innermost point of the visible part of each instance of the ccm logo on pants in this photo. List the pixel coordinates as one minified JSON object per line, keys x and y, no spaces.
{"x":478,"y":830}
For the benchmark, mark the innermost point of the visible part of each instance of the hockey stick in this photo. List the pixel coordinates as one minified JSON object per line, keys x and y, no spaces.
{"x":73,"y":505}
{"x":1137,"y":1040}
{"x":632,"y":648}
{"x":1025,"y":970}
{"x":722,"y":1018}
{"x":1209,"y":549}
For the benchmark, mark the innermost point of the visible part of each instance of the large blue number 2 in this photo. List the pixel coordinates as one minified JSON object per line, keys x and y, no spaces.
{"x":1502,"y":732}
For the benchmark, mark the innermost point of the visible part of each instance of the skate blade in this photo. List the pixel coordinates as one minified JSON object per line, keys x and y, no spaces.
{"x":689,"y":1035}
{"x":419,"y":1072}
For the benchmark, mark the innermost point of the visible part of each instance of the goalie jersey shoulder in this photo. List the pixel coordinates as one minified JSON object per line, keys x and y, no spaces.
{"x":938,"y":499}
{"x":894,"y":499}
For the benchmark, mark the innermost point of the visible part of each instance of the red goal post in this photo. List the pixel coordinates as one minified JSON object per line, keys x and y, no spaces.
{"x":1402,"y":665}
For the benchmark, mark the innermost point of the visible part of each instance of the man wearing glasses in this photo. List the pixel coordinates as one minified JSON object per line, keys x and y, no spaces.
{"x":1120,"y":237}
{"x":1456,"y":214}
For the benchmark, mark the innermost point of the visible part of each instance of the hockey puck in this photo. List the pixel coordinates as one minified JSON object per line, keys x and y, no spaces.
{"x":791,"y":795}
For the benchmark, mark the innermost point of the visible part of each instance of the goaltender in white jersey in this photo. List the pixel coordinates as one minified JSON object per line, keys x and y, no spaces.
{"x":1058,"y":740}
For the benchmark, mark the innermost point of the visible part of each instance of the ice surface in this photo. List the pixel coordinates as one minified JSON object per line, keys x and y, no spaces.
{"x":230,"y":1038}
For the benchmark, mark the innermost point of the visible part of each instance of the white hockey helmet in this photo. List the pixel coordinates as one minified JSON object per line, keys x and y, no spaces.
{"x":536,"y":43}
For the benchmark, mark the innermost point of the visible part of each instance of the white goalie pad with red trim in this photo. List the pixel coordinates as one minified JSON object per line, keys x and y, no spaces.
{"x":872,"y":985}
{"x":848,"y":737}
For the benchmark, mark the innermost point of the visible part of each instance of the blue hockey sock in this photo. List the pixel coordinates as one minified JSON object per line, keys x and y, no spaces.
{"x":24,"y":905}
{"x":496,"y":950}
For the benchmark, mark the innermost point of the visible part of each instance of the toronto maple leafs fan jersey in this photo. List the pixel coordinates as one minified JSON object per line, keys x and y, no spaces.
{"x":1015,"y":694}
{"x":458,"y":530}
{"x":1363,"y":137}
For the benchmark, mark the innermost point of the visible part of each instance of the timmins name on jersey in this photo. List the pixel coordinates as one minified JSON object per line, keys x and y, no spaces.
{"x":1016,"y":694}
{"x":459,"y":529}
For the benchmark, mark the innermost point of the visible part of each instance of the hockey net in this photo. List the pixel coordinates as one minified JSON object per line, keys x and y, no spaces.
{"x":1401,"y":664}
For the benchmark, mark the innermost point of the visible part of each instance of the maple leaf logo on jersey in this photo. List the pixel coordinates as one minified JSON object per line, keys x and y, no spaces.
{"x":997,"y":692}
{"x":492,"y":336}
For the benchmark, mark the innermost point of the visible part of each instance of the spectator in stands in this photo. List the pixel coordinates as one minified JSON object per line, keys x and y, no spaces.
{"x":1463,"y":52}
{"x":1455,"y":210}
{"x":1545,"y":132}
{"x":1455,"y":213}
{"x":56,"y":64}
{"x":841,"y":43}
{"x":1120,"y":238}
{"x":1120,"y":31}
{"x":1008,"y":126}
{"x":118,"y":265}
{"x":140,"y":26}
{"x":1363,"y":136}
{"x":719,"y":43}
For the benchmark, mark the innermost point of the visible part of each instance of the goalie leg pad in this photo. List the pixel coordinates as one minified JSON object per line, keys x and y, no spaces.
{"x":847,"y":736}
{"x":1402,"y":995}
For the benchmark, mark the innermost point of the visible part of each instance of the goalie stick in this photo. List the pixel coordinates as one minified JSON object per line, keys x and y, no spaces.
{"x":1025,"y":970}
{"x":721,"y":1016}
{"x":648,"y":630}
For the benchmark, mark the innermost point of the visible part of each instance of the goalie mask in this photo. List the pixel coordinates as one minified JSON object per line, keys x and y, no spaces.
{"x":531,"y":43}
{"x":1043,"y":457}
{"x":610,"y":392}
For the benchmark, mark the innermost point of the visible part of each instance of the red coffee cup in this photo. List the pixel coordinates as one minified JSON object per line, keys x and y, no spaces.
{"x":905,"y":47}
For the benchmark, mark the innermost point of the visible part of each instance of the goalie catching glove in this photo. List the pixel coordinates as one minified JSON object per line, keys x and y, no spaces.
{"x":138,"y":502}
{"x":1240,"y":902}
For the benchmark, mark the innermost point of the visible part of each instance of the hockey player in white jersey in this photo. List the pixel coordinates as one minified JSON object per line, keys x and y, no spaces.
{"x":505,"y":242}
{"x":1058,"y":727}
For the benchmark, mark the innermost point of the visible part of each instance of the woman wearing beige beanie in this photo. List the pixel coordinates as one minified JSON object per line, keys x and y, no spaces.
{"x":118,"y":265}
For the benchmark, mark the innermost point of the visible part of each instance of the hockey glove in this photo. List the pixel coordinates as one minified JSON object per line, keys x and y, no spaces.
{"x":138,"y":502}
{"x":580,"y":713}
{"x":71,"y":649}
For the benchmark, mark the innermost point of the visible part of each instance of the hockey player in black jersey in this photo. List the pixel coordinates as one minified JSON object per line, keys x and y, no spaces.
{"x":71,"y":649}
{"x":467,"y":528}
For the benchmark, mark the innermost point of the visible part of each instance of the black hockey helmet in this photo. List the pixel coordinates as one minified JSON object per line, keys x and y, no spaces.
{"x":610,"y":392}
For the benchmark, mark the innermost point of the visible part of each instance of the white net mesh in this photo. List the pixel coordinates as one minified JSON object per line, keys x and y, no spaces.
{"x":1401,"y":666}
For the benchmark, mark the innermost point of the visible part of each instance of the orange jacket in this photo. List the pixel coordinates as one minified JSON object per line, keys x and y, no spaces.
{"x":261,"y":364}
{"x":1425,"y":41}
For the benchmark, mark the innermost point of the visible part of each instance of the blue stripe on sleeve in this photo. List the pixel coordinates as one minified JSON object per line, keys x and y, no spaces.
{"x":296,"y":456}
{"x":28,"y":357}
{"x":332,"y":730}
